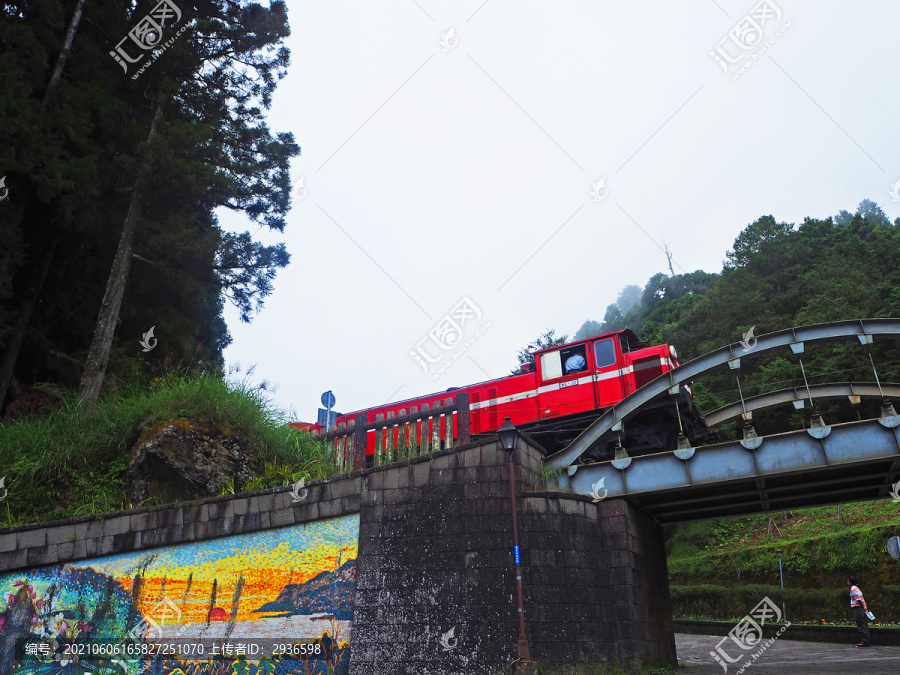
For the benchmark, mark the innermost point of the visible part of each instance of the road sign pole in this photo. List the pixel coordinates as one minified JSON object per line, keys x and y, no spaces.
{"x":328,"y":401}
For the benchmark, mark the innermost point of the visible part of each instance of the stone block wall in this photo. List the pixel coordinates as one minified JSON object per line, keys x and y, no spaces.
{"x":435,"y":556}
{"x":250,"y":567}
{"x":435,"y":587}
{"x":596,"y":582}
{"x":38,"y":545}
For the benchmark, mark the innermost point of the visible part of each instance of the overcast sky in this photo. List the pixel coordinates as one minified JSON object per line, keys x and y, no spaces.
{"x":443,"y":165}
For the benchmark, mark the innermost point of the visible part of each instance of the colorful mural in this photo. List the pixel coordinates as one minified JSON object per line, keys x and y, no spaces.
{"x":278,"y":601}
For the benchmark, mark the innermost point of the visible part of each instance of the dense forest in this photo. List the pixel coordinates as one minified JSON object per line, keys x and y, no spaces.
{"x":124,"y":128}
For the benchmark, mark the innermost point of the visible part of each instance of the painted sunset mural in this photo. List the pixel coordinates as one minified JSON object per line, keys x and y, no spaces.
{"x":294,"y":583}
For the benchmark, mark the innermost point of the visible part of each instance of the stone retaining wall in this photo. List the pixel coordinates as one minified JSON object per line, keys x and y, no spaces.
{"x":597,"y":578}
{"x":435,"y":554}
{"x":145,"y":528}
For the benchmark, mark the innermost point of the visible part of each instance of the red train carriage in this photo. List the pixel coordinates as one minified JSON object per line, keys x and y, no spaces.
{"x":569,"y":386}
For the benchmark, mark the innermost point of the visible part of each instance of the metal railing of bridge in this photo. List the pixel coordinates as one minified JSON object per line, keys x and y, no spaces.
{"x":420,"y":430}
{"x":800,"y":396}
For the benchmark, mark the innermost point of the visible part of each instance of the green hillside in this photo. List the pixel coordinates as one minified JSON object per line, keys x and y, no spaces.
{"x":776,"y":276}
{"x":717,"y":567}
{"x":70,"y":459}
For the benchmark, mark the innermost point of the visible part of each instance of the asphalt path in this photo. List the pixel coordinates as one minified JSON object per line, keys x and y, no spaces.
{"x":789,"y":656}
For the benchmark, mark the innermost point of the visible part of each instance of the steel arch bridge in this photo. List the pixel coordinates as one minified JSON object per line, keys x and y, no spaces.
{"x":815,"y":466}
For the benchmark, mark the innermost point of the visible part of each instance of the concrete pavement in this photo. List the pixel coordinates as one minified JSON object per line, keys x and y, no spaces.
{"x":789,"y":656}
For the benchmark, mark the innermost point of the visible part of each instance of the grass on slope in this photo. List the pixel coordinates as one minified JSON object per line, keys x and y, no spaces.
{"x":712,"y":535}
{"x":711,"y":564}
{"x":817,"y":541}
{"x":719,"y":569}
{"x":73,"y":461}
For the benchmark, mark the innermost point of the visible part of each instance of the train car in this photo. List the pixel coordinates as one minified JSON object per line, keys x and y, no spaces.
{"x":564,"y":390}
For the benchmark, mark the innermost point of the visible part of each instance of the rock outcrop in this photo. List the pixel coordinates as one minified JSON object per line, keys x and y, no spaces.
{"x":180,"y":461}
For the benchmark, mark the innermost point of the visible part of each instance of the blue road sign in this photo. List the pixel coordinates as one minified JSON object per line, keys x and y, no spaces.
{"x":327,"y":418}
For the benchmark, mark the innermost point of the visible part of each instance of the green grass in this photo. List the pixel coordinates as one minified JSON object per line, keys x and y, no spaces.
{"x":718,"y":535}
{"x":816,"y":545}
{"x":73,"y":461}
{"x":721,"y":568}
{"x":549,"y":478}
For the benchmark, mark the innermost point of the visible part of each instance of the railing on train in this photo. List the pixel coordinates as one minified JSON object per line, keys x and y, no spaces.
{"x":420,"y":430}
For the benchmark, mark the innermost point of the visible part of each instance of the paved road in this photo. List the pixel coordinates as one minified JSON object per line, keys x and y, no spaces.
{"x":791,"y":657}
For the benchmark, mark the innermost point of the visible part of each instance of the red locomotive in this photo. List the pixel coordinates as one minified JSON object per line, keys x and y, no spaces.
{"x":566,"y":388}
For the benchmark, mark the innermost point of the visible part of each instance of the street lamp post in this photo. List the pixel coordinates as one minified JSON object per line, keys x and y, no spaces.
{"x":781,"y":576}
{"x":509,"y":439}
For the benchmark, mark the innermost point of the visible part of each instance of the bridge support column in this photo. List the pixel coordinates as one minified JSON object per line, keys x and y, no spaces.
{"x":635,"y":574}
{"x":597,"y":580}
{"x":435,"y":580}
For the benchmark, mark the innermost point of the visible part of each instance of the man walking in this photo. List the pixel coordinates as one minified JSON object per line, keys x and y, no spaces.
{"x":858,"y":608}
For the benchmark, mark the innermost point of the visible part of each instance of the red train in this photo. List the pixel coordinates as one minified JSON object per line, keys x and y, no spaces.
{"x":566,"y":388}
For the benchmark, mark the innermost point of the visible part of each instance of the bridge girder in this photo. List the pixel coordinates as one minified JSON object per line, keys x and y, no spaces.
{"x":801,"y":395}
{"x":810,"y":467}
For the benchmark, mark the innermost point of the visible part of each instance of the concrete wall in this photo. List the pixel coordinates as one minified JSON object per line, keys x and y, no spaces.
{"x":435,"y":556}
{"x":254,"y":569}
{"x":142,"y":529}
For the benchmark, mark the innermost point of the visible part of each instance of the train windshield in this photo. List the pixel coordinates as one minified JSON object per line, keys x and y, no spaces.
{"x":573,"y":360}
{"x":605,"y":353}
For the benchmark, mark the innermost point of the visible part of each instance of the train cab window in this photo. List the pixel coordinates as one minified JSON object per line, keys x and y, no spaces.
{"x":605,"y":353}
{"x":573,"y":360}
{"x":551,"y":366}
{"x":563,"y":362}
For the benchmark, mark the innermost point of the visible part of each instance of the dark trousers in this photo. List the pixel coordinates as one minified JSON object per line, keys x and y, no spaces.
{"x":862,"y":623}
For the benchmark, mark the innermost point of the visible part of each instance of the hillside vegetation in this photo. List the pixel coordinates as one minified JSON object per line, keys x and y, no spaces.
{"x":72,"y":459}
{"x":721,"y":568}
{"x":778,"y":275}
{"x":116,"y":184}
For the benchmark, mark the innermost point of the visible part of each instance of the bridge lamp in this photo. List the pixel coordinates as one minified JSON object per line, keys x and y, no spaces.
{"x":509,"y":440}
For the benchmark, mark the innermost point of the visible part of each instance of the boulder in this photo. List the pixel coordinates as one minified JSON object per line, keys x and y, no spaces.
{"x":180,"y":461}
